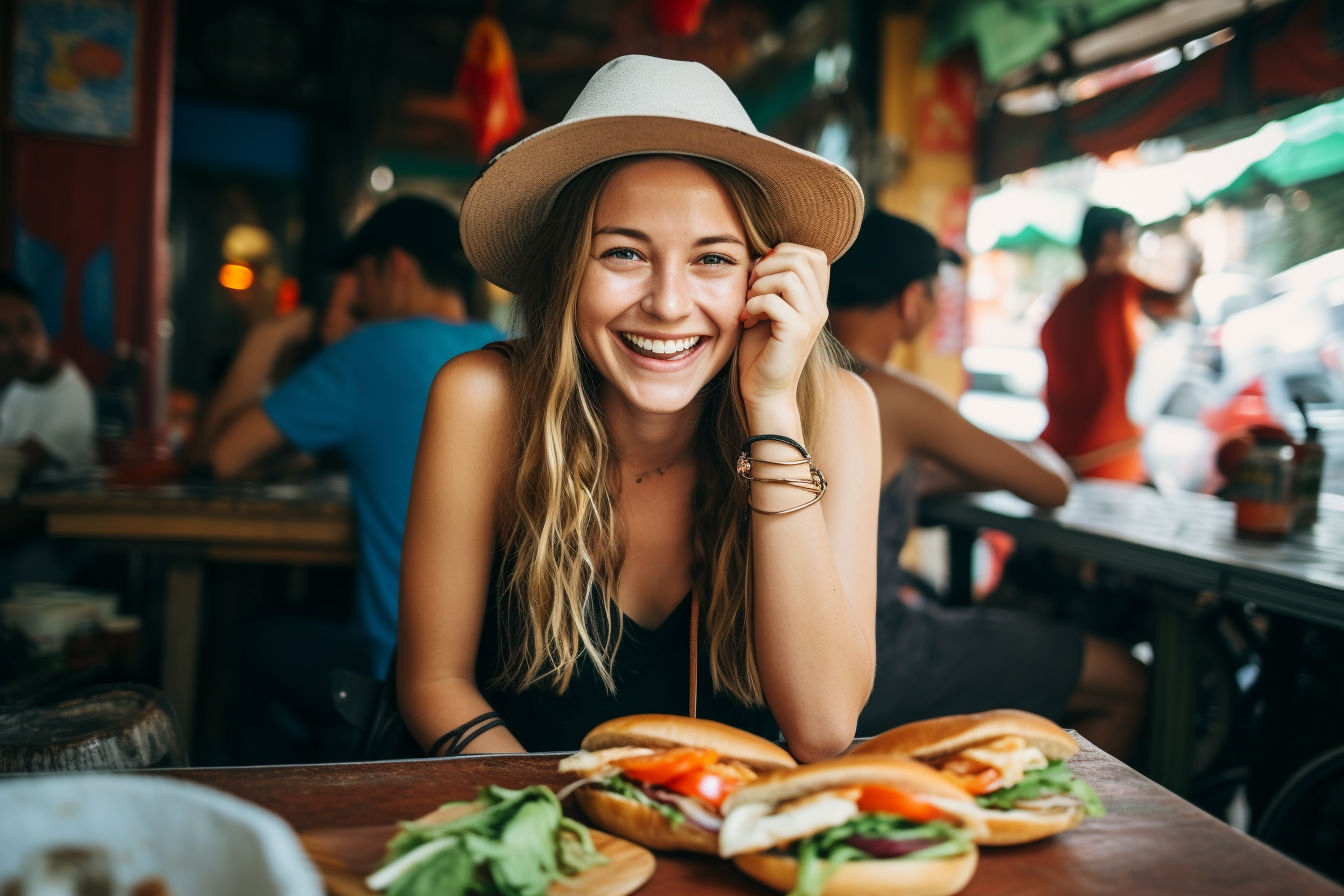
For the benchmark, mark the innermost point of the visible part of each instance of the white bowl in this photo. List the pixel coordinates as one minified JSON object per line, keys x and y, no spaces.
{"x":196,"y":839}
{"x":48,"y":622}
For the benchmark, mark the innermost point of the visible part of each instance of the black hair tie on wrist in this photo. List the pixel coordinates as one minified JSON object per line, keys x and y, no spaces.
{"x":771,"y":437}
{"x":457,"y":739}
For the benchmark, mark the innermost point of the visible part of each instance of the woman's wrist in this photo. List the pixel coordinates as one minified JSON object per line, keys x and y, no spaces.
{"x":777,"y":463}
{"x":780,"y":418}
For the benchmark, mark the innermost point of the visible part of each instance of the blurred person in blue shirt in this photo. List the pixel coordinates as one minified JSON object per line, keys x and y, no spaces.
{"x":363,"y":396}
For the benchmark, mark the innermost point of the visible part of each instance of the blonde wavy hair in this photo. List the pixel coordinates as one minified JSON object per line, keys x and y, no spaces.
{"x":563,"y":545}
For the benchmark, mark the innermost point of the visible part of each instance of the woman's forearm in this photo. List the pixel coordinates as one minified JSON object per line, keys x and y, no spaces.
{"x":431,"y":709}
{"x":814,"y":654}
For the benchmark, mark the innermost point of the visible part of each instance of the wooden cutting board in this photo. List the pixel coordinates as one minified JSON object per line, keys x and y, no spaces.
{"x":345,"y":856}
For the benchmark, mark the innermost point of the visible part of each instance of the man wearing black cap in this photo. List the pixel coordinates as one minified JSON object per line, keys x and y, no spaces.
{"x":364,"y":396}
{"x":934,"y":661}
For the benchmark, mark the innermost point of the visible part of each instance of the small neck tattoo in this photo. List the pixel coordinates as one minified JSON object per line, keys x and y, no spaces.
{"x":659,"y":471}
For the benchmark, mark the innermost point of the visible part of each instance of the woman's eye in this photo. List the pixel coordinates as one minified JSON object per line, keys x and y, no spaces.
{"x":621,"y":253}
{"x":715,"y":259}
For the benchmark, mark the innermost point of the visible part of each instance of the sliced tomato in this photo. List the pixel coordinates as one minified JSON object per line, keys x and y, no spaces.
{"x":708,"y":784}
{"x":897,"y":802}
{"x":662,"y":767}
{"x":985,"y":781}
{"x":973,"y":777}
{"x":960,"y":765}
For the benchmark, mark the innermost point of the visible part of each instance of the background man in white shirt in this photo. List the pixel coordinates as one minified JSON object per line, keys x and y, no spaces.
{"x":46,"y":409}
{"x":46,"y":431}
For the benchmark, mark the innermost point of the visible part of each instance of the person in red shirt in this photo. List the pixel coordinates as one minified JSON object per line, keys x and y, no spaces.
{"x":1091,"y":343}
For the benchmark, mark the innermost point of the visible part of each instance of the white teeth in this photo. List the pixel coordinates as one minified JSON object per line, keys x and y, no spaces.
{"x":661,"y":346}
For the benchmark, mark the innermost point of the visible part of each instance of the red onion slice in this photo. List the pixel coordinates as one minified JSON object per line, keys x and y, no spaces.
{"x":695,"y":811}
{"x":882,"y":848}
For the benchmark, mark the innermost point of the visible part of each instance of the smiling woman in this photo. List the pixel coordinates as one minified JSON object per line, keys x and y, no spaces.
{"x":581,"y":542}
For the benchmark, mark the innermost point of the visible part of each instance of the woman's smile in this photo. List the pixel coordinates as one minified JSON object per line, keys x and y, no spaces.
{"x":662,"y":349}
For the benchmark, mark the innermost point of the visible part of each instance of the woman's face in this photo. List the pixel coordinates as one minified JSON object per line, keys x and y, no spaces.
{"x":665,"y":283}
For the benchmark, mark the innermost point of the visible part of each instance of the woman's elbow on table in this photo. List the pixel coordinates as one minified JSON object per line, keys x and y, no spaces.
{"x":818,"y":739}
{"x":825,"y":729}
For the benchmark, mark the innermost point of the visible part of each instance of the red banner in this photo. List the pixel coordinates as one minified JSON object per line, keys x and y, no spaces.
{"x":488,"y":79}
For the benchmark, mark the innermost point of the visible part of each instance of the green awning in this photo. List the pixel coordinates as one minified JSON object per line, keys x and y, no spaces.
{"x":1031,"y":238}
{"x":1311,"y":147}
{"x":1009,"y":34}
{"x":1295,"y":150}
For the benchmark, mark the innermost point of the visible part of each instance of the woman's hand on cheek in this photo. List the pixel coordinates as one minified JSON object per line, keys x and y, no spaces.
{"x":785,"y":311}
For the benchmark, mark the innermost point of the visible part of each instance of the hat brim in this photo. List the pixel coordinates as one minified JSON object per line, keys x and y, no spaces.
{"x":819,"y":203}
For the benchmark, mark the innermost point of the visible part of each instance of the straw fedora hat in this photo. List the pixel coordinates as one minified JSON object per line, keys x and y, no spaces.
{"x":639,"y":105}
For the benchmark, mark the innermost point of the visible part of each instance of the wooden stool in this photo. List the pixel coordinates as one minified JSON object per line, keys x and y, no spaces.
{"x":112,"y":726}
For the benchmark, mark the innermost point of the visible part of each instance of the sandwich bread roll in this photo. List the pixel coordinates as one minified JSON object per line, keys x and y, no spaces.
{"x":1010,"y":760}
{"x":854,"y":827}
{"x":659,"y":780}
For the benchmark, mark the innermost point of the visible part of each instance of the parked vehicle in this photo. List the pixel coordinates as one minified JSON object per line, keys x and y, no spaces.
{"x":1259,"y":343}
{"x":1267,"y":354}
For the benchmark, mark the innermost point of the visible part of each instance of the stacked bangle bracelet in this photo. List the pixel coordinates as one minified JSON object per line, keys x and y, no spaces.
{"x":815,"y":483}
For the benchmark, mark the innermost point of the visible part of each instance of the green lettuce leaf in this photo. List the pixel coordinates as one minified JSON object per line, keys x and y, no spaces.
{"x":451,"y":871}
{"x":630,"y":790}
{"x":1053,"y":779}
{"x":822,"y":854}
{"x":577,"y":852}
{"x":515,"y":843}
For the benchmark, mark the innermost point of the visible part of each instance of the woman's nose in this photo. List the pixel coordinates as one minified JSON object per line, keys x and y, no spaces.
{"x":669,"y":295}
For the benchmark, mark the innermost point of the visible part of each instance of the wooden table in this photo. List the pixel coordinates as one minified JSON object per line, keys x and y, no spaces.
{"x":1186,"y":547}
{"x":194,"y":524}
{"x":1150,"y":841}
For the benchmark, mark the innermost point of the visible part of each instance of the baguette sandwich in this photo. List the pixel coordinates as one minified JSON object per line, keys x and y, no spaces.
{"x":660,"y":780}
{"x":1012,"y":762}
{"x":852,"y":827}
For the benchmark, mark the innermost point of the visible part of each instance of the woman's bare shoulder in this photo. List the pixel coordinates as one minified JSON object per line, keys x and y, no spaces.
{"x":852,"y":390}
{"x":479,"y":381}
{"x":469,"y":427}
{"x":850,"y":405}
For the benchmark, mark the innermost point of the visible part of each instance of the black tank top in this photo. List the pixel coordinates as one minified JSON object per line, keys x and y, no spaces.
{"x":651,"y":670}
{"x":652,"y":673}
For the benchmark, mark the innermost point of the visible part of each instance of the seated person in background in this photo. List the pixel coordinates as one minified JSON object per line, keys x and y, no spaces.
{"x":342,"y":314}
{"x":268,"y":353}
{"x":46,"y":409}
{"x":584,"y":533}
{"x":47,"y":427}
{"x":932,"y":660}
{"x":364,"y":396}
{"x":1091,"y":345}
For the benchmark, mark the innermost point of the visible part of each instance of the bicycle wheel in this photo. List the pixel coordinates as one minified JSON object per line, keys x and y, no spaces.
{"x":1216,"y":700}
{"x":1305,"y":817}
